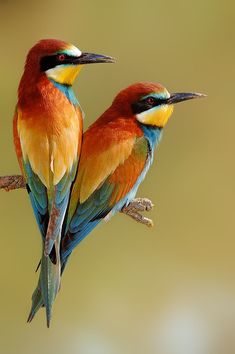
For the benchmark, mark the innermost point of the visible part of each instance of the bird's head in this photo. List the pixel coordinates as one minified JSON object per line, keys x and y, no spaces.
{"x":60,"y":61}
{"x":151,"y":104}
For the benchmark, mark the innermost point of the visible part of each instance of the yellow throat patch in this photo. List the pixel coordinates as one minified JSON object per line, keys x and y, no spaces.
{"x":64,"y":74}
{"x":157,"y":116}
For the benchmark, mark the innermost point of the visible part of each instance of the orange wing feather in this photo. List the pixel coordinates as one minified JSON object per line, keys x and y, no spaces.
{"x":106,"y":151}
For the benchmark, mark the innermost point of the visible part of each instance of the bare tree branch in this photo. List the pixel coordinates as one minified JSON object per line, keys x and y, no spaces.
{"x":133,"y":209}
{"x":12,"y":182}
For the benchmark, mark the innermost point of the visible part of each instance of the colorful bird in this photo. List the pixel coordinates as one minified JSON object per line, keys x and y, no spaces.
{"x":47,"y":136}
{"x":117,"y":152}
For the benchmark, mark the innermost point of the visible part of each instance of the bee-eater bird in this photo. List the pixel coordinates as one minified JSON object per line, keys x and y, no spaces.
{"x":47,"y":136}
{"x":117,"y":152}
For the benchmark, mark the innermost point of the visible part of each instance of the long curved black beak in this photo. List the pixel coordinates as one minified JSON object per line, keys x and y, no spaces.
{"x":91,"y":58}
{"x":182,"y":96}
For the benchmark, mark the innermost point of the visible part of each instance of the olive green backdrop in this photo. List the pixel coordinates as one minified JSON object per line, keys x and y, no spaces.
{"x":128,"y":289}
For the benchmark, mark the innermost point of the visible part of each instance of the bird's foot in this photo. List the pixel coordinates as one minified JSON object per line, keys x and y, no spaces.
{"x":136,"y":207}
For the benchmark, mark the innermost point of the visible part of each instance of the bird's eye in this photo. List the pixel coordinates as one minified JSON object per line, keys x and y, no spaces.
{"x":150,"y":100}
{"x":61,"y":57}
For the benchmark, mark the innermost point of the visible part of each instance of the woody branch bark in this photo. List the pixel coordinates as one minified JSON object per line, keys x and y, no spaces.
{"x":134,"y":209}
{"x":12,"y":182}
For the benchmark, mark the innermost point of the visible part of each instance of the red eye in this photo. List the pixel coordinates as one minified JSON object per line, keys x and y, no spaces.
{"x":150,"y":100}
{"x":61,"y":57}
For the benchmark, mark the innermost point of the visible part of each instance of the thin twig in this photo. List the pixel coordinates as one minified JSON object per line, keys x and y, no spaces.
{"x":12,"y":182}
{"x":133,"y":209}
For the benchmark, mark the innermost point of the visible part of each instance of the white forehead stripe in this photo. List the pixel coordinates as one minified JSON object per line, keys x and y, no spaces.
{"x":74,"y":51}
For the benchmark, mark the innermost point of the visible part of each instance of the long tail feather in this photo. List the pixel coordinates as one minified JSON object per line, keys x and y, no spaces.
{"x":37,"y":303}
{"x":48,"y":284}
{"x":50,"y":280}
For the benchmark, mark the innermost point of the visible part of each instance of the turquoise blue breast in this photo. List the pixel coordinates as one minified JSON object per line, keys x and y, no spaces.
{"x":67,"y":91}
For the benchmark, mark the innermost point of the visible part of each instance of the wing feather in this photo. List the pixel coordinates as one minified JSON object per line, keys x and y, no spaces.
{"x":35,"y":154}
{"x":110,"y":194}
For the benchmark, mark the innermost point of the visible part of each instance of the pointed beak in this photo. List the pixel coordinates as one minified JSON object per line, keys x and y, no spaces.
{"x":181,"y":96}
{"x":91,"y":58}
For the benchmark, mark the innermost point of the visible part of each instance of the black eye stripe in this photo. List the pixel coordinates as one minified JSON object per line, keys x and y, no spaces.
{"x":51,"y":61}
{"x":146,"y":104}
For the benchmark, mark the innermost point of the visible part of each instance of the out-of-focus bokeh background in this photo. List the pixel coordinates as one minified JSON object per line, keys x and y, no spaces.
{"x":128,"y":289}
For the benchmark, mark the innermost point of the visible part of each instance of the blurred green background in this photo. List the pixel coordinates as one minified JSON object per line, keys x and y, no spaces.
{"x":128,"y":289}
